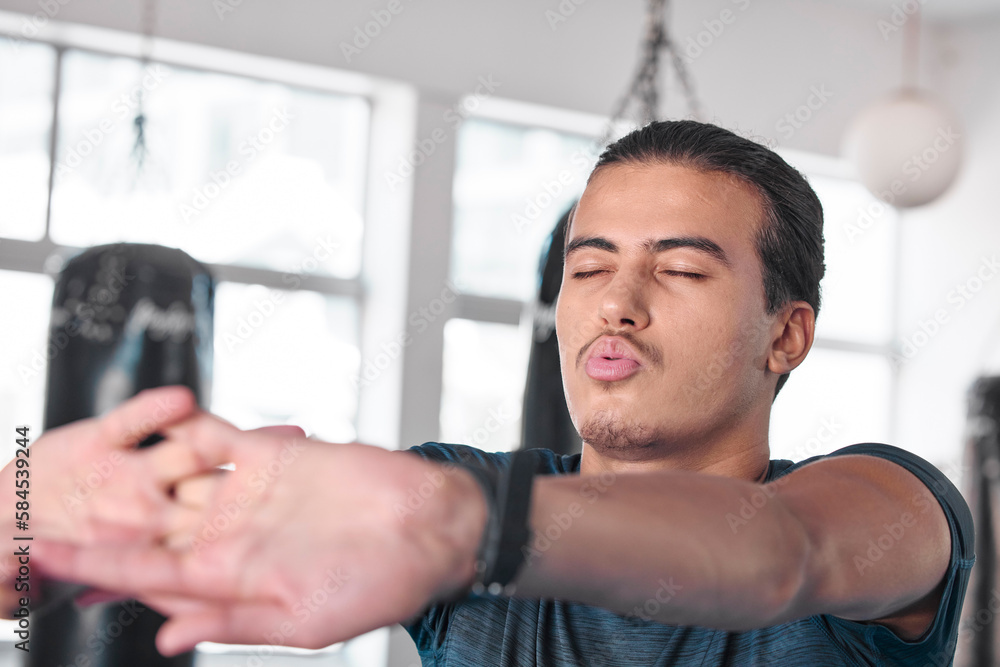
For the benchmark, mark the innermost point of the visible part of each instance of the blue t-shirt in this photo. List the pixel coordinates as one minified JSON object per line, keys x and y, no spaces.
{"x":514,"y":632}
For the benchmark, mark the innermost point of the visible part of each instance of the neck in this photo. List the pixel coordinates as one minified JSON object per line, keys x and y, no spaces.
{"x":743,"y":457}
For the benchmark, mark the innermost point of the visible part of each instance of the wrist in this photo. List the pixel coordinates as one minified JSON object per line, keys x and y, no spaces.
{"x":508,"y":531}
{"x":464,"y":516}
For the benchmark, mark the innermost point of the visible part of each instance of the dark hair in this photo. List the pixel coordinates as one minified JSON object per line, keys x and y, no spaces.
{"x":790,"y":240}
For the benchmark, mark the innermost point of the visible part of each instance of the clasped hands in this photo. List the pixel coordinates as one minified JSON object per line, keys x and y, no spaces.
{"x":302,"y":543}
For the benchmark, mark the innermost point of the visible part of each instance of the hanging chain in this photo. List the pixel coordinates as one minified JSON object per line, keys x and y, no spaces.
{"x":139,"y":149}
{"x":644,"y":91}
{"x":148,"y":29}
{"x":911,"y":52}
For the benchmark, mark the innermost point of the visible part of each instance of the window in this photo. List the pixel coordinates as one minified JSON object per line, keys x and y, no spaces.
{"x":512,"y":184}
{"x":26,"y":79}
{"x":294,"y":367}
{"x":843,"y":392}
{"x":486,"y":415}
{"x":237,"y":171}
{"x":24,"y":346}
{"x":261,"y":179}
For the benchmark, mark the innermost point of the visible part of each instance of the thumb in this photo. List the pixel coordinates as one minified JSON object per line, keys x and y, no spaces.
{"x":183,"y":632}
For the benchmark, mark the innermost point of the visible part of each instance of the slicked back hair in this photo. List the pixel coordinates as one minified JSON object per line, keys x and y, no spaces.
{"x":789,"y":241}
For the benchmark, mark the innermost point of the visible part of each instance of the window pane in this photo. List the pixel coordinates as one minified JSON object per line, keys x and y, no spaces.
{"x":237,"y":171}
{"x":860,"y":234}
{"x":286,"y":358}
{"x":832,"y":400}
{"x":485,"y":366}
{"x":26,"y":301}
{"x":512,"y":184}
{"x":26,"y":74}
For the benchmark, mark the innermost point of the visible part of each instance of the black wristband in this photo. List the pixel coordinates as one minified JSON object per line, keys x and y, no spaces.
{"x":507,"y":532}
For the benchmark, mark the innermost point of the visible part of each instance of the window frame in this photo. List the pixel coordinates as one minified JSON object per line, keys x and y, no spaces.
{"x":379,"y":301}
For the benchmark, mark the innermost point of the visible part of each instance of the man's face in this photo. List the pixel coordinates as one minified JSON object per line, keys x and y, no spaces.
{"x":663,"y":334}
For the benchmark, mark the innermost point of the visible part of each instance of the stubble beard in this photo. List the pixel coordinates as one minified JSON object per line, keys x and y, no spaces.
{"x":608,"y":433}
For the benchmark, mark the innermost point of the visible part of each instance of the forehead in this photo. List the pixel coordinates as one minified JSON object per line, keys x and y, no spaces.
{"x":638,"y":202}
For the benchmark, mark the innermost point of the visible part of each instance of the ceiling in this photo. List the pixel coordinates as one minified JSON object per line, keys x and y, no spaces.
{"x":934,"y":10}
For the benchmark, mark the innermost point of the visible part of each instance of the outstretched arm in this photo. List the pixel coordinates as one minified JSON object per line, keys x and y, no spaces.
{"x":704,"y":550}
{"x":306,"y":544}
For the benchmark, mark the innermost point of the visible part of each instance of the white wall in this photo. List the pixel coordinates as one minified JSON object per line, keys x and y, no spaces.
{"x":944,"y":245}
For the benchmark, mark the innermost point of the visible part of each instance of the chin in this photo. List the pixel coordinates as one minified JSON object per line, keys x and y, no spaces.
{"x":608,"y":432}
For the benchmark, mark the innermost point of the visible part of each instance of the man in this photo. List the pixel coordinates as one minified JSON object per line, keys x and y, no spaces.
{"x":690,"y":291}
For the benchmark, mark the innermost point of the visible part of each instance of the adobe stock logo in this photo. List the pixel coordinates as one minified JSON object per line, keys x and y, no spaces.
{"x":963,"y":293}
{"x":250,"y":148}
{"x":121,"y":110}
{"x":696,"y":45}
{"x":381,"y":18}
{"x":562,"y":12}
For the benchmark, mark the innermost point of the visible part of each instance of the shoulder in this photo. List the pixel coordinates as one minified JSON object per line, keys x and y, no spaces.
{"x":937,"y":486}
{"x":879,"y":509}
{"x":548,"y":462}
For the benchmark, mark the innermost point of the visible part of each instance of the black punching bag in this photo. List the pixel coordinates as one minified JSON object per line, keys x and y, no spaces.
{"x":545,"y":418}
{"x":125,"y":317}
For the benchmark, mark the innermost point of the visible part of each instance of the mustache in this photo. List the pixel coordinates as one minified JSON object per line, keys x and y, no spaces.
{"x":648,"y":352}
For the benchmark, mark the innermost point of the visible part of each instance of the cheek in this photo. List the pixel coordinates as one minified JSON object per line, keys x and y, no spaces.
{"x":716,"y":376}
{"x":564,"y":341}
{"x":560,"y":327}
{"x":574,"y":329}
{"x":718,"y":350}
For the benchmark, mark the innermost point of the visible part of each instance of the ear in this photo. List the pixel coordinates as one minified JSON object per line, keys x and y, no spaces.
{"x":793,"y":337}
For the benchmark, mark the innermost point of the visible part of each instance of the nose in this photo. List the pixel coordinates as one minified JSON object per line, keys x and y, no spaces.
{"x":623,"y":304}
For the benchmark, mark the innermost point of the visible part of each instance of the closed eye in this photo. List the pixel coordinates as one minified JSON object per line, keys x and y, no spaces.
{"x":587,"y":274}
{"x":686,"y":274}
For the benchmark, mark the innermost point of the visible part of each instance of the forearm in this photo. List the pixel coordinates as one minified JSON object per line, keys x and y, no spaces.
{"x":672,"y":546}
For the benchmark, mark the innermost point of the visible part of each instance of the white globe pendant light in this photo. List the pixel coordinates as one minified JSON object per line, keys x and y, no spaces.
{"x":907,"y":148}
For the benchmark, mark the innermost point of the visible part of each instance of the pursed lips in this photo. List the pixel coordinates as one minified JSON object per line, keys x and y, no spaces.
{"x":611,"y":359}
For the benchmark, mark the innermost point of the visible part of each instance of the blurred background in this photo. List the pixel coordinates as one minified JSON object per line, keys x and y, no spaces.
{"x":372,"y":185}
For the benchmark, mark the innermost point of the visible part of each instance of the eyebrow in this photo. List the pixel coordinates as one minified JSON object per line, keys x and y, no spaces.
{"x":699,"y":243}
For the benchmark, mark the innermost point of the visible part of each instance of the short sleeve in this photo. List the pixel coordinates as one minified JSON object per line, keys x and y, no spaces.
{"x":938,"y":643}
{"x":429,"y":629}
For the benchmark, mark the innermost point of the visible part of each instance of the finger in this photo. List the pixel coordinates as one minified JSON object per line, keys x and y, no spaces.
{"x":138,"y":530}
{"x":197,"y":492}
{"x":171,"y":461}
{"x":203,"y":442}
{"x":182,"y":632}
{"x":283,"y":430}
{"x":130,"y":570}
{"x":146,"y":413}
{"x":183,"y":527}
{"x":173,"y":605}
{"x":216,"y":442}
{"x":230,"y":624}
